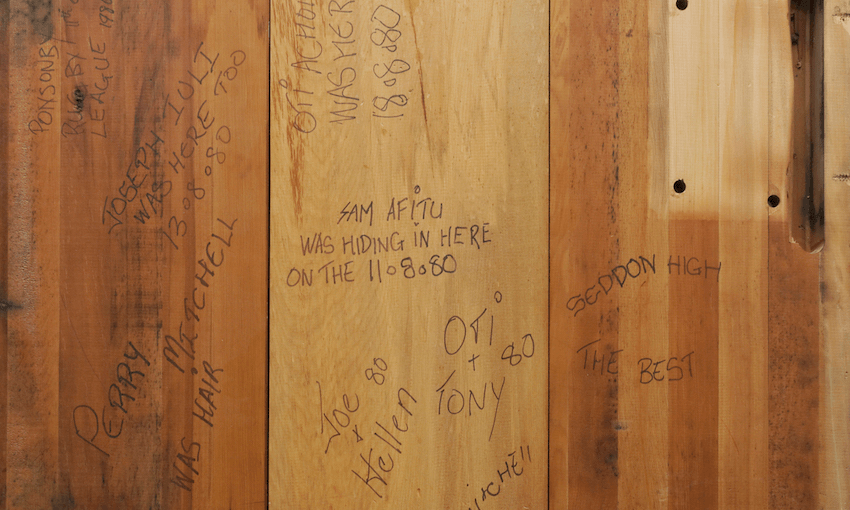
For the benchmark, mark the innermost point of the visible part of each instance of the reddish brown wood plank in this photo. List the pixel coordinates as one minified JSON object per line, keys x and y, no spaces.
{"x":136,"y":228}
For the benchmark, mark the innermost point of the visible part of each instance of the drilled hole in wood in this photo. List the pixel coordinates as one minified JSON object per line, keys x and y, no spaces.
{"x":679,"y":186}
{"x":681,"y":4}
{"x":773,"y":200}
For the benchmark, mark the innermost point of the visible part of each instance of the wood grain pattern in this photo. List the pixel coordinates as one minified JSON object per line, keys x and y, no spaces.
{"x":793,"y":301}
{"x":414,"y":375}
{"x":698,"y":358}
{"x":134,"y":316}
{"x":805,"y":21}
{"x":686,"y":366}
{"x":834,"y":391}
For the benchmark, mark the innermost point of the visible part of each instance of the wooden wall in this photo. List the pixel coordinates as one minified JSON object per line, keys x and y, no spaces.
{"x":311,"y":254}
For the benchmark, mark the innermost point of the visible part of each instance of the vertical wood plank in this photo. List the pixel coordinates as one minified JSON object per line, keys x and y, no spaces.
{"x":834,"y":450}
{"x":743,"y":247}
{"x":4,"y":253}
{"x":643,"y":422}
{"x":592,"y":120}
{"x":135,"y":268}
{"x":694,"y":144}
{"x":794,"y":355}
{"x":408,"y":277}
{"x":32,"y":311}
{"x":560,"y":354}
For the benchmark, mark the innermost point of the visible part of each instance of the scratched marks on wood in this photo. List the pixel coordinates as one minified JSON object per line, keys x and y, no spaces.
{"x":135,"y":202}
{"x":408,"y":299}
{"x":671,"y":384}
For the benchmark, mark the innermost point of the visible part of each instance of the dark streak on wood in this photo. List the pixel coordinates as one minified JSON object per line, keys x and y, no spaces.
{"x":594,"y":206}
{"x":6,"y":305}
{"x":38,"y":20}
{"x":806,"y":18}
{"x":4,"y":236}
{"x":41,"y":17}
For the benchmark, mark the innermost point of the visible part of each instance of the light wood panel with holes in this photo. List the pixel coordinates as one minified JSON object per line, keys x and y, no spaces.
{"x":692,"y":366}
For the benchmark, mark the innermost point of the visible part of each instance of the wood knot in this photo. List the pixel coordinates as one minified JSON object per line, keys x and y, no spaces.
{"x":79,"y":98}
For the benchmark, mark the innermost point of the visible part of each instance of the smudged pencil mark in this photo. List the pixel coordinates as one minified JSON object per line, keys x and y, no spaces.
{"x":295,"y":133}
{"x":422,"y":95}
{"x":6,"y":305}
{"x":845,"y":178}
{"x":297,"y":154}
{"x":841,"y":18}
{"x":40,"y":14}
{"x":732,"y":437}
{"x":611,"y":460}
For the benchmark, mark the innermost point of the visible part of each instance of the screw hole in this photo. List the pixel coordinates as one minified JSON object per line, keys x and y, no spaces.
{"x":681,"y":4}
{"x":679,"y":186}
{"x":773,"y":200}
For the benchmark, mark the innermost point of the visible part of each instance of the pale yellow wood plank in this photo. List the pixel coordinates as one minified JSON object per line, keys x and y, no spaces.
{"x":448,"y":108}
{"x":835,"y":271}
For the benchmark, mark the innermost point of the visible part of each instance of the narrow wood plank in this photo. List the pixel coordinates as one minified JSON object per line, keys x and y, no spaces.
{"x":794,"y":355}
{"x":408,"y":276}
{"x":32,"y":312}
{"x":805,"y":20}
{"x":834,"y":445}
{"x":642,"y":425}
{"x":744,"y":251}
{"x":794,"y":381}
{"x":4,"y":234}
{"x":593,"y":388}
{"x":136,"y":261}
{"x":693,"y":225}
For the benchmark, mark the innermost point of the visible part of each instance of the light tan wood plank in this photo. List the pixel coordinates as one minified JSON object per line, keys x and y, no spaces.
{"x":834,"y":451}
{"x":408,"y":357}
